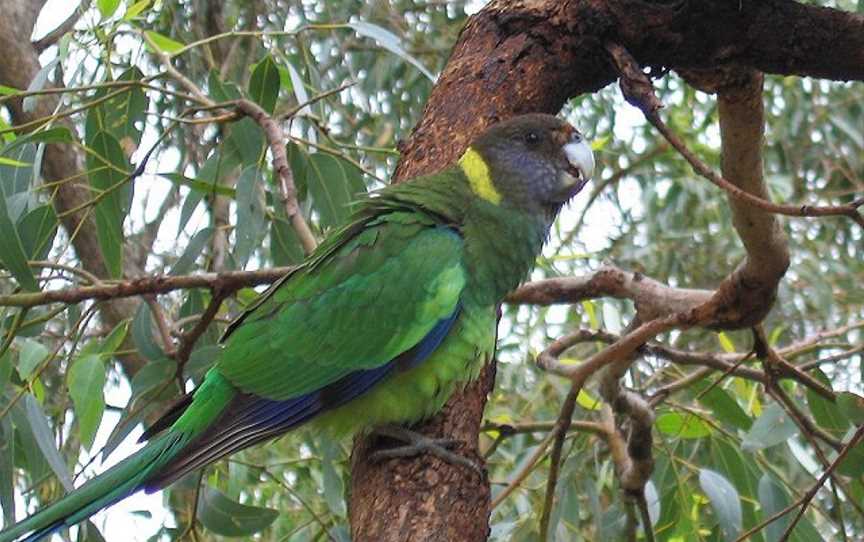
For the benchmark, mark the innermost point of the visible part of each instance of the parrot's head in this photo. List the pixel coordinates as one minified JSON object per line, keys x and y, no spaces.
{"x":536,"y":162}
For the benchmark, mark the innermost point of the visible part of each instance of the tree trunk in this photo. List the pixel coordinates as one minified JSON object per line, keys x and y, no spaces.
{"x":525,"y":56}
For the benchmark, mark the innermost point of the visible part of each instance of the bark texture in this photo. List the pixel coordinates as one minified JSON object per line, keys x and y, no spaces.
{"x":522,"y":56}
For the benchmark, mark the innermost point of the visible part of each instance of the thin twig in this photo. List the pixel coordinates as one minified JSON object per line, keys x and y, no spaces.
{"x":639,"y":91}
{"x":527,"y":468}
{"x":162,"y":324}
{"x":565,"y":417}
{"x":314,"y":99}
{"x":275,"y":139}
{"x":187,"y":341}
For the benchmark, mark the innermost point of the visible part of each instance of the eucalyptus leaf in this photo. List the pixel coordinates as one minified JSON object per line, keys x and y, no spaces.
{"x":391,"y":42}
{"x":334,"y":185}
{"x":142,"y":334}
{"x":163,"y":43}
{"x":29,"y":418}
{"x":194,"y":248}
{"x":852,"y":406}
{"x":724,"y":500}
{"x":108,"y":171}
{"x":334,"y":489}
{"x":680,"y":425}
{"x":38,"y":83}
{"x":32,"y":354}
{"x":771,"y":428}
{"x":12,"y":253}
{"x":251,"y":220}
{"x":264,"y":84}
{"x":86,"y":380}
{"x":107,"y":7}
{"x":226,"y":517}
{"x":774,"y":498}
{"x":827,"y":414}
{"x":36,"y":230}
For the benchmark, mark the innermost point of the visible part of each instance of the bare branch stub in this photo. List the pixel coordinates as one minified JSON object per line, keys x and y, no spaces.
{"x":635,"y":85}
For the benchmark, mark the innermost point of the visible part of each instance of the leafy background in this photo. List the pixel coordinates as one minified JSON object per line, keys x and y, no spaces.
{"x":207,"y":200}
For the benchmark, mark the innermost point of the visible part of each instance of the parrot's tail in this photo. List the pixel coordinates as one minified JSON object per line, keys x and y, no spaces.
{"x":113,"y":485}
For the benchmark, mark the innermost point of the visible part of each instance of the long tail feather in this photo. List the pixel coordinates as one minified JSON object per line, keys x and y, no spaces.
{"x":115,"y":484}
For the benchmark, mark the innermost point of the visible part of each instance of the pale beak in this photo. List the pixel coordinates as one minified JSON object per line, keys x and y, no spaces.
{"x":581,"y":160}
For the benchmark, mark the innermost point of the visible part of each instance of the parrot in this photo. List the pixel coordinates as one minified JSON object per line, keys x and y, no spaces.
{"x":377,"y":328}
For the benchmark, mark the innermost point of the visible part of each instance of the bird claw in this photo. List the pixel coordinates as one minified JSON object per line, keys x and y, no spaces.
{"x":416,"y":444}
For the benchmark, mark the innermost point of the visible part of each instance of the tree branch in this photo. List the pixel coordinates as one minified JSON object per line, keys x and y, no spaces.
{"x":638,"y":91}
{"x":228,"y":281}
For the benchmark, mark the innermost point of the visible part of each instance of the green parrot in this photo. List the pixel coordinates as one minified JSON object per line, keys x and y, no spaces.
{"x":378,"y":327}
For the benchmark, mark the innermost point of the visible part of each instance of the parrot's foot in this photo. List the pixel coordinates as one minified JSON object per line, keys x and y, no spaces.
{"x":416,"y":444}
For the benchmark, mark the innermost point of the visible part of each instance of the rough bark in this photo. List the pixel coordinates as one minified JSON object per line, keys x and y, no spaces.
{"x":531,"y":56}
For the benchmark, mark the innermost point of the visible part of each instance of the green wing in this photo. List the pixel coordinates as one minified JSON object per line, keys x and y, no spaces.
{"x":360,"y":302}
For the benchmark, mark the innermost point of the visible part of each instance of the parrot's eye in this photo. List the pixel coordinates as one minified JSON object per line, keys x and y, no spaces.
{"x":532,"y":138}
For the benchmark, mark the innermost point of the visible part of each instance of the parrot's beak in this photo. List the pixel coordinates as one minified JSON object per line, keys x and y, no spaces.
{"x":580,"y":163}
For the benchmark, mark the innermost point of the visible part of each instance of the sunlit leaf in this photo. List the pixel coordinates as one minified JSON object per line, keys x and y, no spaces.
{"x":726,"y":343}
{"x":136,"y":9}
{"x":680,"y":425}
{"x":13,"y":163}
{"x":107,"y":7}
{"x":164,"y":43}
{"x":588,"y":401}
{"x":391,"y":42}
